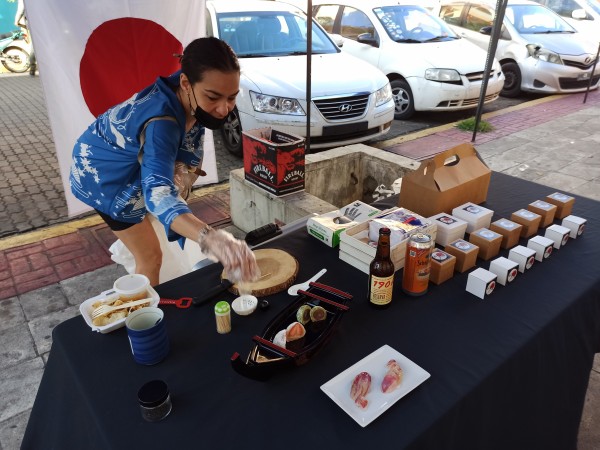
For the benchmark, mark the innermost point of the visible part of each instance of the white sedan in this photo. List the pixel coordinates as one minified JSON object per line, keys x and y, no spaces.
{"x":351,"y":101}
{"x":429,"y":66}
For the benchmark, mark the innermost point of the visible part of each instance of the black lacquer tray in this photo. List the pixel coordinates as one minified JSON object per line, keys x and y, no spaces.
{"x":266,"y":358}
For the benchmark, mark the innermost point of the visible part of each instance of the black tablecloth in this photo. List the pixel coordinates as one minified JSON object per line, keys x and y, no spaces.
{"x":510,"y":371}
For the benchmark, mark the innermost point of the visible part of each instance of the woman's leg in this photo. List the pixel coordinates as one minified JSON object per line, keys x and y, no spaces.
{"x":142,"y":242}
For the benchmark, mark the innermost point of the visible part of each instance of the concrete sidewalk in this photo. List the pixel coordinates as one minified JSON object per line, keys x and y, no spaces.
{"x":47,"y":274}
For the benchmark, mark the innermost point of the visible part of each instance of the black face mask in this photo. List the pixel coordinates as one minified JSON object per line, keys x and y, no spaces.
{"x":206,"y":119}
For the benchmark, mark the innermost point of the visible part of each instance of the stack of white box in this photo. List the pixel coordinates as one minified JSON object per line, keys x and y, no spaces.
{"x":476,"y":216}
{"x":449,"y":228}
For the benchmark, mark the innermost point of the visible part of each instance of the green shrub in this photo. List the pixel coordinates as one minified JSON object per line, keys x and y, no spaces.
{"x":469,"y":125}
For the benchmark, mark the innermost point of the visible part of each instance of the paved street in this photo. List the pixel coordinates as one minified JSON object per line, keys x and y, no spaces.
{"x":555,"y":142}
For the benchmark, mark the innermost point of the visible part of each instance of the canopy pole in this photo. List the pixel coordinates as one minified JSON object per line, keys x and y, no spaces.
{"x":496,"y":29}
{"x":308,"y":71}
{"x":592,"y":75}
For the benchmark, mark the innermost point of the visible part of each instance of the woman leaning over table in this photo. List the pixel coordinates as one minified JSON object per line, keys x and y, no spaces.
{"x":143,"y":155}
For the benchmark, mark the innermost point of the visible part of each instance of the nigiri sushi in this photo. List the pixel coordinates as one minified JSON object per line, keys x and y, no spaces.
{"x":360,"y":388}
{"x":392,"y":378}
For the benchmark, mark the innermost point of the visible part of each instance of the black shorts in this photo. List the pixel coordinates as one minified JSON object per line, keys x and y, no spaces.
{"x":113,"y":224}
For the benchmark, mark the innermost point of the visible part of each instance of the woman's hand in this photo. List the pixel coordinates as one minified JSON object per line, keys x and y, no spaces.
{"x":235,"y":255}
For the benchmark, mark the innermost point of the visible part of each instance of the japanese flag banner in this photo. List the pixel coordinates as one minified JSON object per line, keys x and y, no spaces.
{"x":95,"y":54}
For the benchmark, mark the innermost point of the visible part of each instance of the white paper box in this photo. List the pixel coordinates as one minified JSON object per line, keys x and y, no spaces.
{"x":355,"y":242}
{"x":505,"y":269}
{"x":481,"y":282}
{"x":354,"y":262}
{"x":523,"y":256}
{"x":476,"y":216}
{"x":542,"y":246}
{"x":449,"y":228}
{"x":559,"y":234}
{"x":575,"y":225}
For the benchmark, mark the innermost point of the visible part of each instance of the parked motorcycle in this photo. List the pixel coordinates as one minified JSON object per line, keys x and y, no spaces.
{"x":13,"y":56}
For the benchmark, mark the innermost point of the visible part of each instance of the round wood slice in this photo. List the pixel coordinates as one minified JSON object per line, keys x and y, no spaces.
{"x":278,"y":272}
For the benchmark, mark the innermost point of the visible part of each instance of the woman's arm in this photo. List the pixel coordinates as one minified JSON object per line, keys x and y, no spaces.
{"x":219,"y":245}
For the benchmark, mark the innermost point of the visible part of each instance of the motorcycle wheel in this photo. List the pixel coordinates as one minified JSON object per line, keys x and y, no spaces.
{"x":15,"y":59}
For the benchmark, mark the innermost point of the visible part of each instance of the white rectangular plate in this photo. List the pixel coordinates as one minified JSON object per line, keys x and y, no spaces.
{"x":338,"y":388}
{"x":86,"y":310}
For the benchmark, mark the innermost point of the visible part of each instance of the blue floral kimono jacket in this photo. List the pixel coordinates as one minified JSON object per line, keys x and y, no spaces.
{"x":106,"y":173}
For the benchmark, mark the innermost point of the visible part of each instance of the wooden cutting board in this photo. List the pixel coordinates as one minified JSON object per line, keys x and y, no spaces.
{"x":278,"y":272}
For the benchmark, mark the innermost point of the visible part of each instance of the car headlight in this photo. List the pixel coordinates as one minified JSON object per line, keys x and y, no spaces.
{"x":442,"y":75}
{"x":275,"y":105}
{"x":538,"y":52}
{"x":383,"y":95}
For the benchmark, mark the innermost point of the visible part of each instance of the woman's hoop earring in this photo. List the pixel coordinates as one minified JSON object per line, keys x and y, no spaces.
{"x":190,"y":102}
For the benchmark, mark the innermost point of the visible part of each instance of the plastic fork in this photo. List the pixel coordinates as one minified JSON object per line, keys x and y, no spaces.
{"x":105,"y":309}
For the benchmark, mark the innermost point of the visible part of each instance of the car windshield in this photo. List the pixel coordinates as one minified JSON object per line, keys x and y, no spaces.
{"x":535,"y":19}
{"x":412,"y":24}
{"x":270,"y":33}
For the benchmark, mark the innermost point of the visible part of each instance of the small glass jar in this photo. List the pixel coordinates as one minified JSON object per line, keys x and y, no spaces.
{"x":154,"y":400}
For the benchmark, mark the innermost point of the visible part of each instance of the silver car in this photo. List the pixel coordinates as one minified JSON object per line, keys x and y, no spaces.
{"x":538,"y":50}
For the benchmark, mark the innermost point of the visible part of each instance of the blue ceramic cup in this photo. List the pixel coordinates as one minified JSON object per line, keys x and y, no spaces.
{"x":147,"y":335}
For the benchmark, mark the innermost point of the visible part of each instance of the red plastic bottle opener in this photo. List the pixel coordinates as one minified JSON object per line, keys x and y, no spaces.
{"x":183,"y":302}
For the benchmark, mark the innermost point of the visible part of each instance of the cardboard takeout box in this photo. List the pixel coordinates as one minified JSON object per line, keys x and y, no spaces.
{"x":446,"y":181}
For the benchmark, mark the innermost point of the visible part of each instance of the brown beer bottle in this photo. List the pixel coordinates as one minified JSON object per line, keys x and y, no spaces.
{"x":381,"y":273}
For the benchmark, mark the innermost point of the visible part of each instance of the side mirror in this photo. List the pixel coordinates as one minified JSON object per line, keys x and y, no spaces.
{"x":367,"y":38}
{"x":337,"y":40}
{"x":486,"y":30}
{"x":579,"y":14}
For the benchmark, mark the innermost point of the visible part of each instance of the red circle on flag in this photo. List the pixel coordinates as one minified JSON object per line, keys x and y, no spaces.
{"x":121,"y":57}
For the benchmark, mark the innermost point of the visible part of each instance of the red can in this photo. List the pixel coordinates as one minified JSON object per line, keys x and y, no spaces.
{"x":417,"y":263}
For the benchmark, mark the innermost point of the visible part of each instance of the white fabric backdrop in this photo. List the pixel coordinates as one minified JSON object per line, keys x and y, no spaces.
{"x":60,"y":30}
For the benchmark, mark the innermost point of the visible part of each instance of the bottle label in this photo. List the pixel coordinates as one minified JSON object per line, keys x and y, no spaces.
{"x":381,"y":289}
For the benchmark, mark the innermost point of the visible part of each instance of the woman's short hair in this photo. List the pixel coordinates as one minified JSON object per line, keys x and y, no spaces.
{"x":208,"y":53}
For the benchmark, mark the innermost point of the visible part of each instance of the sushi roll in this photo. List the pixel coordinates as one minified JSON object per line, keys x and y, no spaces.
{"x":318,"y":316}
{"x":294,"y":336}
{"x":303,"y":314}
{"x":318,"y":313}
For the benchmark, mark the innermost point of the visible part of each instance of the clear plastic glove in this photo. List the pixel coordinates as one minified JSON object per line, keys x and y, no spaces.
{"x":183,"y":179}
{"x":235,"y":255}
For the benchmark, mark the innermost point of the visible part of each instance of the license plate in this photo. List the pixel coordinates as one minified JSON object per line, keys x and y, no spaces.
{"x":336,"y":130}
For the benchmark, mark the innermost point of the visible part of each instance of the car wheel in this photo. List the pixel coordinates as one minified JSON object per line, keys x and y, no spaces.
{"x":404,"y":102}
{"x":512,"y":80}
{"x":232,"y":133}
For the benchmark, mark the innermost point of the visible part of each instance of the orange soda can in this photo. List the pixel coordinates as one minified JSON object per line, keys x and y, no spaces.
{"x":417,"y":263}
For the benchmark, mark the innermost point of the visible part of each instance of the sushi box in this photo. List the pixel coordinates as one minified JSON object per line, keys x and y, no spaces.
{"x":542,"y":246}
{"x":559,"y":234}
{"x":329,"y":226}
{"x":505,"y":269}
{"x":575,"y":224}
{"x":358,"y":250}
{"x":510,"y":231}
{"x":481,"y":282}
{"x":530,"y":221}
{"x":442,"y":266}
{"x":544,"y":209}
{"x":476,"y":216}
{"x":523,"y":256}
{"x":465,"y":253}
{"x":564,"y":204}
{"x":449,"y":228}
{"x":488,"y":242}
